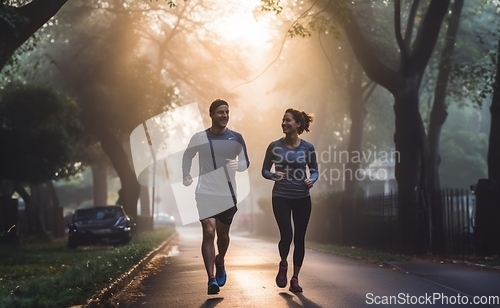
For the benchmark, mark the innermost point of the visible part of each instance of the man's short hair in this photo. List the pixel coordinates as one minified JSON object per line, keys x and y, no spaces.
{"x":215,"y":104}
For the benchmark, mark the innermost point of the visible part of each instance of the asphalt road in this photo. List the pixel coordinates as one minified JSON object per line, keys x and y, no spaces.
{"x":178,"y":279}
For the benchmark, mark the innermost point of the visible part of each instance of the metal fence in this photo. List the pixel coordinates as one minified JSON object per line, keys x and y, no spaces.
{"x":459,"y":213}
{"x":378,"y":223}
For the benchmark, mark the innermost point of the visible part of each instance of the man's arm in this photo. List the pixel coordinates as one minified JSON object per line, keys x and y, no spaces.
{"x":187,"y":161}
{"x":243,"y":161}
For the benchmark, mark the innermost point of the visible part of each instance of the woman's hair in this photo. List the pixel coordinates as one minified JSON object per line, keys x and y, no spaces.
{"x":305,"y":119}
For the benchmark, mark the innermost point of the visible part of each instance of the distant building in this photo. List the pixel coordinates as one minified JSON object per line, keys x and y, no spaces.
{"x":380,"y":178}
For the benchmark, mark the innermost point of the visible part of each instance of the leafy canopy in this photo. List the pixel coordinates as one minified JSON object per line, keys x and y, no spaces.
{"x":39,"y":128}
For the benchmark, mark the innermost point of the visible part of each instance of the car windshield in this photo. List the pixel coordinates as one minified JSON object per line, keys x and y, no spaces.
{"x":98,"y":213}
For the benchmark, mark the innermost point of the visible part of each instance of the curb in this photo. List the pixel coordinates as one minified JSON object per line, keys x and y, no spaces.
{"x":473,"y":264}
{"x":389,"y":265}
{"x":107,"y":292}
{"x":448,"y":261}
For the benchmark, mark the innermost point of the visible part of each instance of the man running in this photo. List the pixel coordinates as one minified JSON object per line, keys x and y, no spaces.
{"x":216,"y":199}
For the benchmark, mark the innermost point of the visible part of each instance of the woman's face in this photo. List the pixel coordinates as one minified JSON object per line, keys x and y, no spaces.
{"x":288,"y":124}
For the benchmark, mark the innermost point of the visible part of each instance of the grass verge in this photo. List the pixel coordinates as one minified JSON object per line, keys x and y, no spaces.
{"x":48,"y":274}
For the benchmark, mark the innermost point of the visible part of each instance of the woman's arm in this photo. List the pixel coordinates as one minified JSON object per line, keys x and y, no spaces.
{"x":313,"y":164}
{"x":268,"y":162}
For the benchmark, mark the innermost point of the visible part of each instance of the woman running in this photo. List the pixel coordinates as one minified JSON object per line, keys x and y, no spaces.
{"x":290,"y":196}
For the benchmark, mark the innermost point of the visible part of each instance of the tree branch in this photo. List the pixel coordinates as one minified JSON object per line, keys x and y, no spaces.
{"x":427,"y":36}
{"x":31,"y":17}
{"x":411,"y":22}
{"x":38,"y":12}
{"x":366,"y":56}
{"x":399,"y":38}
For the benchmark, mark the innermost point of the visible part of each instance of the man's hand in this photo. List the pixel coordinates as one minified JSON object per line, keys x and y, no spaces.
{"x":233,"y":164}
{"x":187,"y":180}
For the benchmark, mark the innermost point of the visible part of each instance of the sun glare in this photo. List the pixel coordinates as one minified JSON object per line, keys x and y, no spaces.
{"x":240,"y":25}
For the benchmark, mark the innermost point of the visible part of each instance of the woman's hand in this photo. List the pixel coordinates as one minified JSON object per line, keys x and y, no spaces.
{"x":308,"y":183}
{"x":278,"y":176}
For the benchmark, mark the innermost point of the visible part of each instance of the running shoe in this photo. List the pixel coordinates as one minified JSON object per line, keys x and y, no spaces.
{"x":220,"y":273}
{"x":294,"y":285}
{"x":213,"y":287}
{"x":281,"y":276}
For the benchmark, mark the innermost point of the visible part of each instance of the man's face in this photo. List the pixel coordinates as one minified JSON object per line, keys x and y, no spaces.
{"x":220,"y":116}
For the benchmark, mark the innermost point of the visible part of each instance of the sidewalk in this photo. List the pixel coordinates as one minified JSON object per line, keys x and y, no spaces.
{"x":416,"y":277}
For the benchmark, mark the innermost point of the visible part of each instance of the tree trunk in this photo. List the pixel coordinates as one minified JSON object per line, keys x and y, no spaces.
{"x":438,"y":117}
{"x":37,"y":202}
{"x":28,"y":207}
{"x":99,"y":184}
{"x":358,"y":113}
{"x":53,"y":194}
{"x":129,"y":192}
{"x":25,"y":21}
{"x":494,"y":140}
{"x":412,"y":150}
{"x":56,"y":211}
{"x":439,"y":113}
{"x":35,"y":226}
{"x":404,"y":84}
{"x":145,"y":201}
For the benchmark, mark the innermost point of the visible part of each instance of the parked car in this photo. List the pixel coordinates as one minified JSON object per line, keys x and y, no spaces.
{"x":107,"y":224}
{"x":164,"y":220}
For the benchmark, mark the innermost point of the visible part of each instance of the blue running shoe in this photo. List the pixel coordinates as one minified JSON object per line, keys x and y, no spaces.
{"x":213,"y":287}
{"x":220,"y":273}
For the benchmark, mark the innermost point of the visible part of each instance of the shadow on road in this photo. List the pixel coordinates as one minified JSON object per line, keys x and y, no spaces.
{"x":211,"y":302}
{"x":305,"y":302}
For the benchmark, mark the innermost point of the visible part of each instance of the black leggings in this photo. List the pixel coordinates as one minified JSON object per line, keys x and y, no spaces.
{"x":300,"y":210}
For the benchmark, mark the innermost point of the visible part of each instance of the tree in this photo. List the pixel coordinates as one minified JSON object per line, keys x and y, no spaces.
{"x":39,"y":131}
{"x":121,"y":89}
{"x":404,"y":84}
{"x":123,"y":72}
{"x":439,"y":113}
{"x":467,"y":150}
{"x":17,"y":24}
